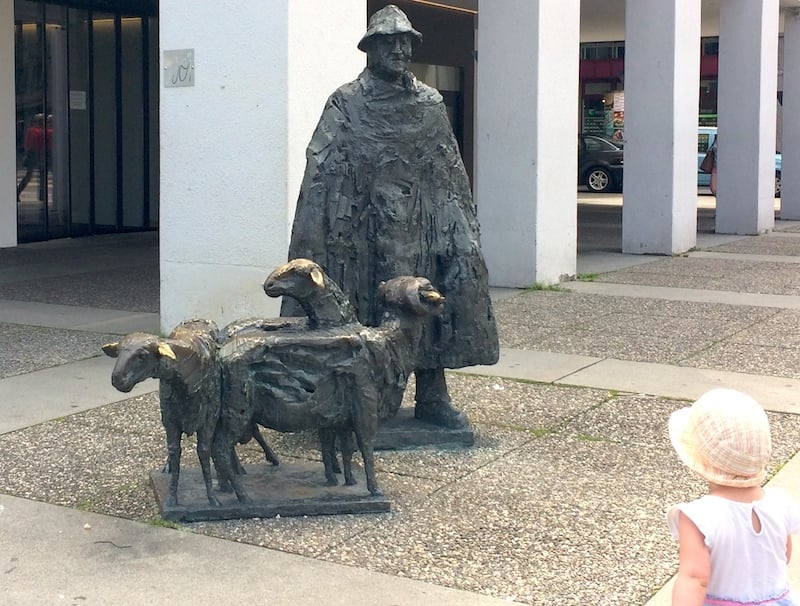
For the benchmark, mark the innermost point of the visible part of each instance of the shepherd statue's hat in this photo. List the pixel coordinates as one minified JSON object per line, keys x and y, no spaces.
{"x":387,"y":21}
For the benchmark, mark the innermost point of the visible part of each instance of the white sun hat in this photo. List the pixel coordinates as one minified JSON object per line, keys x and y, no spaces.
{"x":724,"y":437}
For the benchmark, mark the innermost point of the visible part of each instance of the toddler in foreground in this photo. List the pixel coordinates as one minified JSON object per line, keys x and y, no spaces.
{"x":735,"y":542}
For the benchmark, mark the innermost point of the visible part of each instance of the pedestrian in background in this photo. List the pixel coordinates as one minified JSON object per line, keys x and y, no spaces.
{"x":714,"y":166}
{"x":35,"y":146}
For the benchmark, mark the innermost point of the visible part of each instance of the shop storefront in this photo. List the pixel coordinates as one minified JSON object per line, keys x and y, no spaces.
{"x":602,"y":73}
{"x":86,"y":118}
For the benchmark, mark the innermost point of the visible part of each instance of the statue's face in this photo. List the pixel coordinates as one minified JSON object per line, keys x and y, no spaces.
{"x":390,"y":55}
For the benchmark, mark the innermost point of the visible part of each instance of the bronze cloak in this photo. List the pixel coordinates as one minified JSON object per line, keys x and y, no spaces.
{"x":384,"y":194}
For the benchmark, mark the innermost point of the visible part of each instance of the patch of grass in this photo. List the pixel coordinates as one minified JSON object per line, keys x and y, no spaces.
{"x":587,"y":277}
{"x":543,"y":286}
{"x":584,"y":437}
{"x":84,"y":505}
{"x":162,"y":523}
{"x":534,"y":431}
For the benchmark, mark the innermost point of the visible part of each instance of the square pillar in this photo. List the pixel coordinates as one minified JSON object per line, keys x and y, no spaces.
{"x":790,"y":172}
{"x":8,"y":136}
{"x":662,"y":74}
{"x":526,"y":139}
{"x":233,"y":143}
{"x":748,"y":85}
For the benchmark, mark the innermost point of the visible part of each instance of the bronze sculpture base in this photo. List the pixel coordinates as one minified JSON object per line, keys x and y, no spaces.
{"x":290,"y":489}
{"x":404,"y":431}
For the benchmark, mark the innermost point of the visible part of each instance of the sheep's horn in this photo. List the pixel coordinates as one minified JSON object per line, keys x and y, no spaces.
{"x":431,"y":296}
{"x":165,"y":350}
{"x":111,"y":349}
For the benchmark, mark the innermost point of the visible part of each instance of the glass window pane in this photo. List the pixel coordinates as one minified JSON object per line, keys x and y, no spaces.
{"x":79,"y":99}
{"x":56,"y":122}
{"x":104,"y":121}
{"x":132,"y":123}
{"x":30,"y":116}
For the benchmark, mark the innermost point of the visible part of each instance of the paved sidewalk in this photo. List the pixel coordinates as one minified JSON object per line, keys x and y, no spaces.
{"x":562,"y":499}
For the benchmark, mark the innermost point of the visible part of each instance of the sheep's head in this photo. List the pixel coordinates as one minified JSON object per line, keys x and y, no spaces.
{"x":138,"y":357}
{"x":299,"y":278}
{"x":412,"y":294}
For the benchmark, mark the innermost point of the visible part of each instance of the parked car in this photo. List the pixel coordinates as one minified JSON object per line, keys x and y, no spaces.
{"x":706,"y":135}
{"x":599,"y":164}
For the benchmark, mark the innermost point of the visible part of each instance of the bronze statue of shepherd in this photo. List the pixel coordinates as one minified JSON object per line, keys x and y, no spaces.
{"x":385,"y":193}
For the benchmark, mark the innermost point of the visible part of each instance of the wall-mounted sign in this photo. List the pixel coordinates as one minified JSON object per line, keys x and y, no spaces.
{"x":179,"y":67}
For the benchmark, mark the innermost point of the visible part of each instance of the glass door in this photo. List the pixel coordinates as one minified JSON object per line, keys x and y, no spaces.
{"x":86,"y":120}
{"x":42,"y":121}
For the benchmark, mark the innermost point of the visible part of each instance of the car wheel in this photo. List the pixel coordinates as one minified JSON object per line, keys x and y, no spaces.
{"x":777,"y":184}
{"x":598,"y":180}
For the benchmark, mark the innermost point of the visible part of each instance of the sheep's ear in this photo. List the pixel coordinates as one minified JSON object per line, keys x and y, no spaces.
{"x":316,"y":277}
{"x":165,"y":350}
{"x":111,"y":349}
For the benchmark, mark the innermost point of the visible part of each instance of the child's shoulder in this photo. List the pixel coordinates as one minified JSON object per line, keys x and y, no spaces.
{"x":703,"y":512}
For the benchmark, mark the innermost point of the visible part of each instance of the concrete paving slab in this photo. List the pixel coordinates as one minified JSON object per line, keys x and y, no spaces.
{"x":599,"y":261}
{"x":774,"y":393}
{"x":55,"y":555}
{"x":751,"y":358}
{"x":532,"y":365}
{"x":709,"y":254}
{"x":125,"y":324}
{"x":498,"y":293}
{"x":92,"y":319}
{"x":705,"y":240}
{"x":696,"y":295}
{"x":35,"y":397}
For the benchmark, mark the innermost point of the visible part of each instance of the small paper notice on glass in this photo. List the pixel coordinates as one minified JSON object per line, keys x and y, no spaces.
{"x":77,"y":99}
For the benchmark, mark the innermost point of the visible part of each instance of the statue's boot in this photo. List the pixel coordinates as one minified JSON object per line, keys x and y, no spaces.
{"x":433,"y":403}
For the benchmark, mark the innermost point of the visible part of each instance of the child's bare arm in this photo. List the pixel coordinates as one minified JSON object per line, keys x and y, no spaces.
{"x":788,"y":548}
{"x":694,"y":569}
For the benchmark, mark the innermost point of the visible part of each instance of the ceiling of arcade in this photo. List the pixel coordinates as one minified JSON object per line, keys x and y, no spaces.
{"x":603,"y":20}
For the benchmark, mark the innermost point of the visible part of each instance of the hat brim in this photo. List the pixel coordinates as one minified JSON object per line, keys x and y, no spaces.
{"x":684,"y":446}
{"x":416,"y":38}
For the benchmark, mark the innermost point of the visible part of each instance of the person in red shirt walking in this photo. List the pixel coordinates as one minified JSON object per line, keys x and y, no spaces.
{"x":35,"y":149}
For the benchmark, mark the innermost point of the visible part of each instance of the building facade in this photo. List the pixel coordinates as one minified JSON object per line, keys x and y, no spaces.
{"x":123,"y":115}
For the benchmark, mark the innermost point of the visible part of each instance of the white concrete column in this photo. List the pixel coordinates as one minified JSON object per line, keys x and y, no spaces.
{"x":233,"y":144}
{"x":748,"y":81}
{"x":662,"y":74}
{"x":8,"y":156}
{"x":790,"y":174}
{"x":526,"y":139}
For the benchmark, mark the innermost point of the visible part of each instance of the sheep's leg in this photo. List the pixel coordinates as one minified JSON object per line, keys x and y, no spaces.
{"x":365,"y":446}
{"x":221,"y":449}
{"x":327,"y":443}
{"x":223,"y":484}
{"x":346,"y":445}
{"x":268,"y":452}
{"x":173,"y":462}
{"x":204,"y":454}
{"x":238,"y":468}
{"x":364,"y":415}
